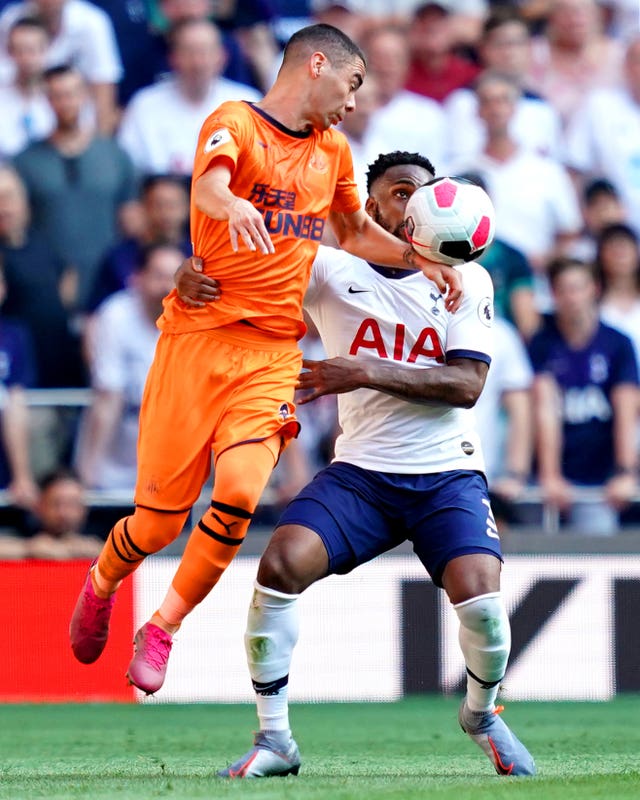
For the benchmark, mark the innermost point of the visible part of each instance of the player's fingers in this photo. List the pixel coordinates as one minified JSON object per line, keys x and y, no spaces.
{"x":197,"y":265}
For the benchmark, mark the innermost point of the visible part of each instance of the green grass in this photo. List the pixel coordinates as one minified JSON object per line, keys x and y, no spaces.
{"x":411,"y":749}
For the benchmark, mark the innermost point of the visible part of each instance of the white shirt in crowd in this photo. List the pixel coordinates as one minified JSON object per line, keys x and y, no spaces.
{"x":603,"y":140}
{"x":127,"y":339}
{"x":160,"y":126}
{"x":24,"y":120}
{"x":510,"y":371}
{"x":86,"y":40}
{"x":534,"y":199}
{"x":535,"y":125}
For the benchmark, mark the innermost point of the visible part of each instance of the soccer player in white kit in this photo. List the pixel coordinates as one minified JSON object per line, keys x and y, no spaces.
{"x":408,"y":465}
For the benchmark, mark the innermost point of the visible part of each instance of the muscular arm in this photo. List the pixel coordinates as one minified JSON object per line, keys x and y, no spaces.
{"x":459,"y":383}
{"x":359,"y":235}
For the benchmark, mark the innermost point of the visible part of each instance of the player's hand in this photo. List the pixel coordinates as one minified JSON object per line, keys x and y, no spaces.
{"x":620,"y":490}
{"x":331,"y":376}
{"x":247,"y":223}
{"x":447,"y":279}
{"x":194,"y":287}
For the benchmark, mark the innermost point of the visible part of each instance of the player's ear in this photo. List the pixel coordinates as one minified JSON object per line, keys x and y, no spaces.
{"x":316,"y":64}
{"x":370,"y":207}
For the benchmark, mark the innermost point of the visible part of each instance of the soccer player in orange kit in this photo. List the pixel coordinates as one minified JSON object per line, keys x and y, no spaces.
{"x":267,"y":176}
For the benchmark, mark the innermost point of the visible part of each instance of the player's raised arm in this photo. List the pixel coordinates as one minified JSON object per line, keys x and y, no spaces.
{"x":359,"y":235}
{"x":214,"y":198}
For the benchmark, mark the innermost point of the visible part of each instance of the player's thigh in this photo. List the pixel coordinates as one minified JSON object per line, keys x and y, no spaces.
{"x":470,"y":576}
{"x":453,"y":519}
{"x":180,"y":409}
{"x":261,"y":403}
{"x":343,"y":506}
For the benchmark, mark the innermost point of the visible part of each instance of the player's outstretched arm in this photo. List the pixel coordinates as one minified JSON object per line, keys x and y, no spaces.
{"x":194,"y":287}
{"x":359,"y":235}
{"x":459,"y":383}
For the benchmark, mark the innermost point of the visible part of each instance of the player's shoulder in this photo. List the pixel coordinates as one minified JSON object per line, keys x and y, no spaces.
{"x":475,"y":277}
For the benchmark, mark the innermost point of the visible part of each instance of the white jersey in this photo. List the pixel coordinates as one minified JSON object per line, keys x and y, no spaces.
{"x":361,"y":312}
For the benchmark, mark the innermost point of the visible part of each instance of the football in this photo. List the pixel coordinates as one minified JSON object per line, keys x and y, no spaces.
{"x":450,"y":220}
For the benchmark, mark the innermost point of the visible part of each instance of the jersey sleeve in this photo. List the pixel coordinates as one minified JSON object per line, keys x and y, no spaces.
{"x":470,"y":329}
{"x":346,"y":198}
{"x":222,"y":136}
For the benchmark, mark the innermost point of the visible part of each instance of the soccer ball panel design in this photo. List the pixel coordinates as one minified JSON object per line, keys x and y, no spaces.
{"x":450,"y":220}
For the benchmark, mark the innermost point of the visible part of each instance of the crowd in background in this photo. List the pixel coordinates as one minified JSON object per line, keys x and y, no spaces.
{"x":101,"y":103}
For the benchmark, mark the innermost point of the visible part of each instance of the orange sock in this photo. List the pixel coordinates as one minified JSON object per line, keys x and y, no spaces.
{"x":131,"y":540}
{"x":240,"y":477}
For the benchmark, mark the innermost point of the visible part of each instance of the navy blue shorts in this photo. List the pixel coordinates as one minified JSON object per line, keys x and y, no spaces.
{"x":360,"y":514}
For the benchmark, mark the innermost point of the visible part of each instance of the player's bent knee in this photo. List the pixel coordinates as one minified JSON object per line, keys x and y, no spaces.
{"x":158,"y":528}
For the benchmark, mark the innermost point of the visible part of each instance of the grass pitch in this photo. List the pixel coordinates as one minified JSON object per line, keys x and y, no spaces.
{"x":410,"y":749}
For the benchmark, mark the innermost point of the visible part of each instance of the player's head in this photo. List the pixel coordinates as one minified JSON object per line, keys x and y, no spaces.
{"x":326,"y":68}
{"x":391,"y":180}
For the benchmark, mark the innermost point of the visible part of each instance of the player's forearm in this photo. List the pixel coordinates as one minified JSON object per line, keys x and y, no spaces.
{"x":372,"y":243}
{"x":454,"y":385}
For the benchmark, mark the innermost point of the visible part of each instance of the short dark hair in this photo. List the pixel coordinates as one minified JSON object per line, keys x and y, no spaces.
{"x":559,"y":266}
{"x":56,"y":475}
{"x":387,"y":160}
{"x":502,"y":15}
{"x":335,"y":44}
{"x":614,"y":231}
{"x":59,"y":70}
{"x":149,"y":182}
{"x":29,"y":24}
{"x":598,"y":187}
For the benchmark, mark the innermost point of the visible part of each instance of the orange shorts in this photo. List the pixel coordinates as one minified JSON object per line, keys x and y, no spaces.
{"x":208,"y":391}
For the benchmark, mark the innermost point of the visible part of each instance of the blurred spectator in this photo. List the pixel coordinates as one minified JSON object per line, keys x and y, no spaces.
{"x":165,"y":15}
{"x":356,"y":126}
{"x":512,"y":278}
{"x":161,"y":124}
{"x":436,"y":69}
{"x":618,"y":270}
{"x":80,"y":34}
{"x":537,"y":208}
{"x":603,"y":139}
{"x":61,"y":515}
{"x":347,"y":15}
{"x":573,"y":55}
{"x":388,"y":62}
{"x":505,"y":47}
{"x":25,"y":111}
{"x":586,"y":404}
{"x":165,"y":213}
{"x":34,"y":281}
{"x":601,"y":206}
{"x":504,"y":415}
{"x":250,"y":24}
{"x":17,"y":372}
{"x":122,"y":340}
{"x":79,"y":184}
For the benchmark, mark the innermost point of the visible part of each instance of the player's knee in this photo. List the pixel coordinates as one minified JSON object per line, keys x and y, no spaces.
{"x":486,"y":617}
{"x":156,"y":527}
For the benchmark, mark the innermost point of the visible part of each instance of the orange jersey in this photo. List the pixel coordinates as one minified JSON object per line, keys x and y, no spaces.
{"x":294,"y":179}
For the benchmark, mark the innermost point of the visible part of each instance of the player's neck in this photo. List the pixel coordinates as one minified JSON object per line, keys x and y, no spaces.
{"x":282,"y":105}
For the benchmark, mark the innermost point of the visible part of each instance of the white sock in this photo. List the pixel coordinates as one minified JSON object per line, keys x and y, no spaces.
{"x":485,"y":640}
{"x":271,"y":635}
